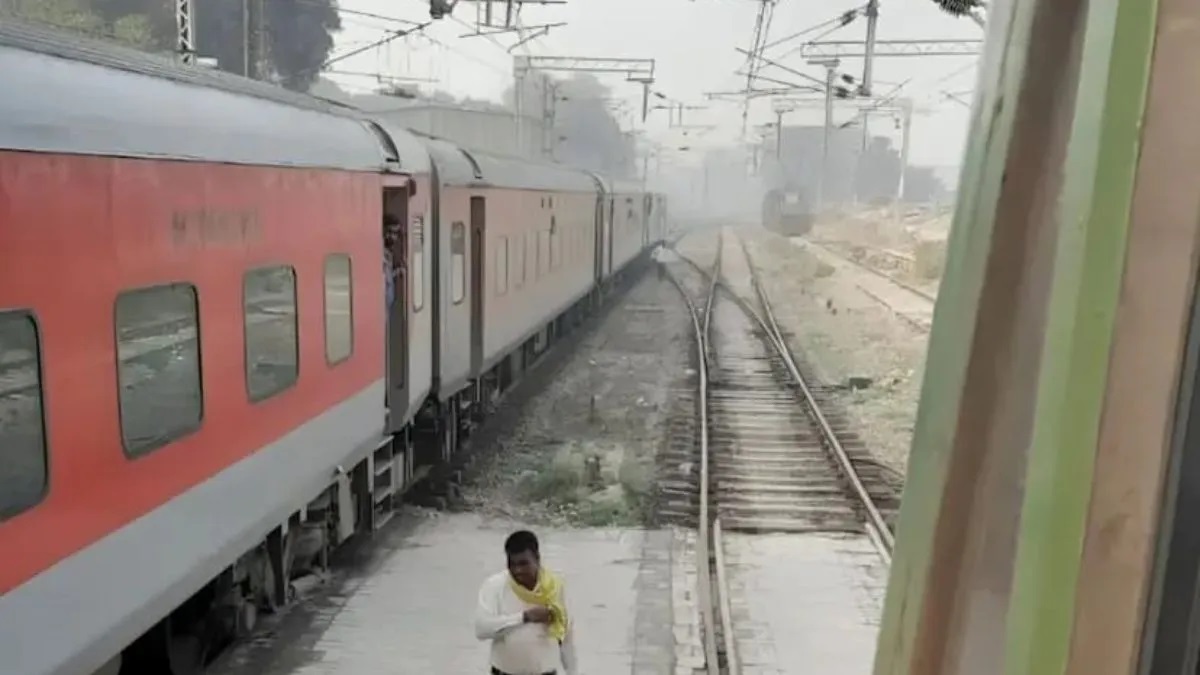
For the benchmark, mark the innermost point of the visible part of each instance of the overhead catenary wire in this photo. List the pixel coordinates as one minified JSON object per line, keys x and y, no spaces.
{"x":393,"y":35}
{"x":841,"y":20}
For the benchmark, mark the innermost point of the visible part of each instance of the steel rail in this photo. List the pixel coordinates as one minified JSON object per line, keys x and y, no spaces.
{"x":877,"y":529}
{"x":704,"y":580}
{"x":877,"y":526}
{"x":719,"y":576}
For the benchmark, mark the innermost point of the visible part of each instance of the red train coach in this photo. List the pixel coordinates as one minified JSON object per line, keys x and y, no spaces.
{"x":191,"y":335}
{"x":202,"y":387}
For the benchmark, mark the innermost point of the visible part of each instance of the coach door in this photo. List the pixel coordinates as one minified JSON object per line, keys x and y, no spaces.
{"x":395,"y":204}
{"x":478,"y":228}
{"x":598,"y":257}
{"x":611,"y":227}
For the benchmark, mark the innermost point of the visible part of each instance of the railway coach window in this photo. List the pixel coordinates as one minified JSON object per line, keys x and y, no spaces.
{"x":339,"y":310}
{"x":158,"y":354}
{"x":22,"y":432}
{"x":272,"y":343}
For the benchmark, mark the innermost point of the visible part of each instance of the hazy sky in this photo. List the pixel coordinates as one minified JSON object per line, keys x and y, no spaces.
{"x":693,"y":42}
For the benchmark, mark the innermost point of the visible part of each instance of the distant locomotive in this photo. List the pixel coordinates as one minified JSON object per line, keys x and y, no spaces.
{"x":788,"y":212}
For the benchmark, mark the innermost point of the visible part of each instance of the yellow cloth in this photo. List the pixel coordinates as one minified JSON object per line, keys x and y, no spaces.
{"x":548,"y":594}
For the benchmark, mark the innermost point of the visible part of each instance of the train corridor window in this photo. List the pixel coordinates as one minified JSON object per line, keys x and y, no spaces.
{"x":502,"y":266}
{"x":272,"y":339}
{"x":518,"y":262}
{"x":417,"y":273}
{"x":458,"y":262}
{"x":23,"y":462}
{"x":537,"y":255}
{"x":158,"y":372}
{"x":555,"y":237}
{"x":526,"y":258}
{"x":339,"y":309}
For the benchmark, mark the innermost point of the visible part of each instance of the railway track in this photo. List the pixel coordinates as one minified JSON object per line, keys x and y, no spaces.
{"x":765,"y":456}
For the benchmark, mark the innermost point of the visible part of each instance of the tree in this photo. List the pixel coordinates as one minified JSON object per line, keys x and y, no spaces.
{"x":300,"y":38}
{"x":151,"y":23}
{"x":959,"y":7}
{"x":298,"y":34}
{"x":81,"y":16}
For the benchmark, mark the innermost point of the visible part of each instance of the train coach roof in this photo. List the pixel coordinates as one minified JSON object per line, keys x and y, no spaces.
{"x":459,"y":166}
{"x":626,"y":187}
{"x":604,"y":183}
{"x":522,"y":173}
{"x":412,"y":152}
{"x":454,"y":167}
{"x":69,"y":94}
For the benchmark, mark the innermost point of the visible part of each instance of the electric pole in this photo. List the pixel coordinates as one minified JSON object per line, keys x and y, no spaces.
{"x":252,"y":38}
{"x":872,"y":12}
{"x":906,"y":112}
{"x":830,"y":66}
{"x":550,"y":99}
{"x":185,"y":44}
{"x":779,"y":135}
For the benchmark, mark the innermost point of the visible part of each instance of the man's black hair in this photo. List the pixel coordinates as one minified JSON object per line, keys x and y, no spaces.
{"x":520,"y":541}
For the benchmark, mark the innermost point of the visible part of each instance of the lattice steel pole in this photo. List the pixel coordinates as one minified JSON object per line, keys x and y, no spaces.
{"x":186,"y":43}
{"x":872,"y":12}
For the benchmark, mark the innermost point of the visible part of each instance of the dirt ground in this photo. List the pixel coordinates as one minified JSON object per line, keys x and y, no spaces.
{"x":841,"y":332}
{"x":583,"y":449}
{"x":875,"y":237}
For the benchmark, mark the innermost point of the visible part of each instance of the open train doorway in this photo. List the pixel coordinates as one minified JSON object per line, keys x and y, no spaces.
{"x":396,"y":245}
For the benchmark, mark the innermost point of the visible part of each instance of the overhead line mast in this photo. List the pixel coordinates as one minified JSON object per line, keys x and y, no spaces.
{"x":762,"y":28}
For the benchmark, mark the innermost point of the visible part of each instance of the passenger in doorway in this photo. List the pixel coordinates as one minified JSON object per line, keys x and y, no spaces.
{"x":391,"y":233}
{"x":523,"y":611}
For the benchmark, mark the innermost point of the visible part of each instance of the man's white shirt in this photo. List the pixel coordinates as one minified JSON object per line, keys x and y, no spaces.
{"x":520,"y":648}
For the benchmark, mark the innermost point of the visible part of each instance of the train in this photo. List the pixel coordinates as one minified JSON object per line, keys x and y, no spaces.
{"x":787,"y":211}
{"x":236,"y":324}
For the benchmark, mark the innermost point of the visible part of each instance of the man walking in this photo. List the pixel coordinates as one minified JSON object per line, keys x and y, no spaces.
{"x":523,"y":611}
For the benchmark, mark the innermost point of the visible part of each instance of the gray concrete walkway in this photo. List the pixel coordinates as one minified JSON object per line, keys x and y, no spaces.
{"x":805,"y":604}
{"x":412,"y":611}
